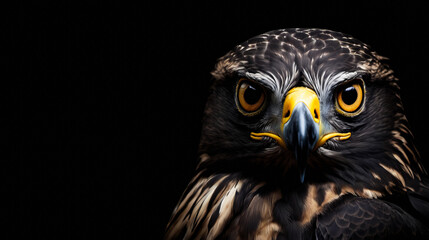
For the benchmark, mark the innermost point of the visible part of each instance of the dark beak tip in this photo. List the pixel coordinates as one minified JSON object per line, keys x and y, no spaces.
{"x":301,"y":133}
{"x":302,"y":174}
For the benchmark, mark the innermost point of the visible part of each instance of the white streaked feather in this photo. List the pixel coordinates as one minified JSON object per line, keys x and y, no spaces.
{"x":323,"y":81}
{"x":277,"y":84}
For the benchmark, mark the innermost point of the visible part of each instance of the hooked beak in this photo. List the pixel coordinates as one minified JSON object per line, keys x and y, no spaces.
{"x":301,"y":126}
{"x":301,"y":111}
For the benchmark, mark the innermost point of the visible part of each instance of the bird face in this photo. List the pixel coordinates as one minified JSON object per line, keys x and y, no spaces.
{"x":309,"y":104}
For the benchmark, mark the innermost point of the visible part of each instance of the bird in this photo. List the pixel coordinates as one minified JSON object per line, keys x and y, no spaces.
{"x":304,"y":136}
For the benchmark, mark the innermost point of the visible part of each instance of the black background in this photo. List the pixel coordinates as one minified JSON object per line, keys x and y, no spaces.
{"x":103,"y":112}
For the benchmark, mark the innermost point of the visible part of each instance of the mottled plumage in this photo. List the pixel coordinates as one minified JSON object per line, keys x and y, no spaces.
{"x":304,"y":137}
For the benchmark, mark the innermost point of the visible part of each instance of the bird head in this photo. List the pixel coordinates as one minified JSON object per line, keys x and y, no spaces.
{"x":308,"y":105}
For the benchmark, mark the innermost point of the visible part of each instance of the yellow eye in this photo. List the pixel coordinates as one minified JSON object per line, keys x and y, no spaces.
{"x":350,"y":98}
{"x":250,"y":97}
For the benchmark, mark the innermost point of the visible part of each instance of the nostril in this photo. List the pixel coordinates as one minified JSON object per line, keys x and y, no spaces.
{"x":287,"y":114}
{"x":316,"y":116}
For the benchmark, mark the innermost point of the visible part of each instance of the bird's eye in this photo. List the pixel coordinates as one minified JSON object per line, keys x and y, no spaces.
{"x":350,"y":98}
{"x":250,"y":97}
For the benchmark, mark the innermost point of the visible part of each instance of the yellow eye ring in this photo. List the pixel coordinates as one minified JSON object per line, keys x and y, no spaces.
{"x":250,"y":97}
{"x":350,"y":98}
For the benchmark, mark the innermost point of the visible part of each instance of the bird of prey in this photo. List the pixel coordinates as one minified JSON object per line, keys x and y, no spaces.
{"x":304,"y":137}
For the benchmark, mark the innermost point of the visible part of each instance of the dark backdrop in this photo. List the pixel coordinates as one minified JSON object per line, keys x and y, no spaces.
{"x":104,"y":110}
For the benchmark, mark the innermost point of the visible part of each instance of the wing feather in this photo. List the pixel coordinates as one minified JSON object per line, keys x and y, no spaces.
{"x":361,"y":218}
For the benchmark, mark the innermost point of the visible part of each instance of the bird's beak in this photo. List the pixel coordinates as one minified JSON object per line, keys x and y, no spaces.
{"x":301,"y":126}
